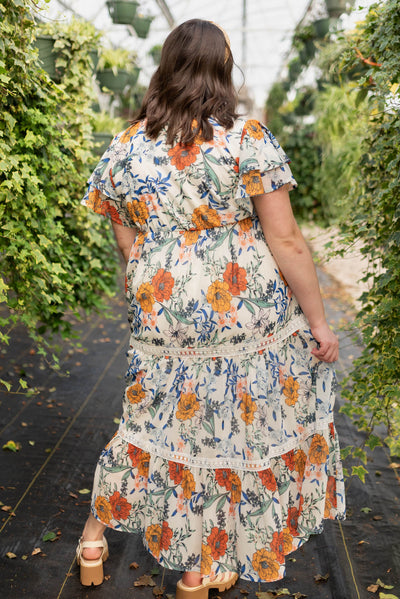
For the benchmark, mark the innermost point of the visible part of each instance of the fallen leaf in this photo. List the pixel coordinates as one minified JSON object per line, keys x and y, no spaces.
{"x":243,"y":592}
{"x":383,"y":585}
{"x":377,"y":517}
{"x":84,"y":491}
{"x":24,"y":424}
{"x":12,"y":446}
{"x":373,"y":588}
{"x":52,"y":389}
{"x":134,"y":565}
{"x":10,"y":555}
{"x":49,"y":536}
{"x":363,"y":542}
{"x":36,"y":551}
{"x":265,"y":595}
{"x":155,"y":571}
{"x":387,"y":596}
{"x":116,"y":420}
{"x":394,"y":465}
{"x":24,"y":557}
{"x":378,"y":473}
{"x":158,"y":591}
{"x":282,"y":592}
{"x":31,"y":443}
{"x":292,"y":559}
{"x":321,"y":578}
{"x":144,"y":581}
{"x":74,"y":495}
{"x":366,"y":510}
{"x":299,"y":596}
{"x":107,"y":577}
{"x":6,"y":508}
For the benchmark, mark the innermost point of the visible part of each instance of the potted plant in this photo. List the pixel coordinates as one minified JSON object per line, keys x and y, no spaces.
{"x":122,"y":12}
{"x":321,"y":27}
{"x":155,"y":53}
{"x":337,"y":7}
{"x":141,"y":25}
{"x":104,"y":129}
{"x":294,"y":69}
{"x":114,"y":68}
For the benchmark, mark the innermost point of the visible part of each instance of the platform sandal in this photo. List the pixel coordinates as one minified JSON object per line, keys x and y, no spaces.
{"x":222,"y":582}
{"x":91,"y":570}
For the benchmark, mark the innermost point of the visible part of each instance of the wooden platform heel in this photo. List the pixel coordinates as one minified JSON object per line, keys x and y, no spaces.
{"x":91,"y":570}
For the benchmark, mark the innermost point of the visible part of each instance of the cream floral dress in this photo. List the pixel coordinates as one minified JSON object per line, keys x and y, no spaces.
{"x":226,"y":457}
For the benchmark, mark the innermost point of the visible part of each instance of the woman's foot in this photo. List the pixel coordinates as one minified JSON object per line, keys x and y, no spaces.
{"x":191,"y":579}
{"x":93,"y":531}
{"x":187,"y":589}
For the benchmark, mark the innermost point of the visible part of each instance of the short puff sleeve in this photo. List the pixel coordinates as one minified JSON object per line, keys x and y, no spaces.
{"x":107,"y":186}
{"x":263,"y":165}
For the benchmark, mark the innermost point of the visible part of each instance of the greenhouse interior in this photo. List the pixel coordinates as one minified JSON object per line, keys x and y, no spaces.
{"x":323,"y":76}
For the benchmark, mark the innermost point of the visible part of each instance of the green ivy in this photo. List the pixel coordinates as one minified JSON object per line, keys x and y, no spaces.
{"x":373,"y":390}
{"x":56,"y":258}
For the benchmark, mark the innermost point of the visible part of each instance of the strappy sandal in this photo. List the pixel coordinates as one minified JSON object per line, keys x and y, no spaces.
{"x":222,"y":582}
{"x":91,"y":570}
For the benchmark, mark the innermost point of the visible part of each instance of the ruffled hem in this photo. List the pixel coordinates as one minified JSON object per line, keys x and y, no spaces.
{"x":213,"y":520}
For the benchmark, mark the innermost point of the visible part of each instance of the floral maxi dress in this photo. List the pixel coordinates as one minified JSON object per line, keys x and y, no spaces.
{"x":226,"y":457}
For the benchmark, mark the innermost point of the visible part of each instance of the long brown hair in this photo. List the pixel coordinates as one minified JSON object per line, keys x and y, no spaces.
{"x":192,"y":84}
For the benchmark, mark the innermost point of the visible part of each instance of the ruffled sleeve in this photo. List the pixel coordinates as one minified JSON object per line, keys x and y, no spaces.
{"x":263,"y":165}
{"x":107,"y":188}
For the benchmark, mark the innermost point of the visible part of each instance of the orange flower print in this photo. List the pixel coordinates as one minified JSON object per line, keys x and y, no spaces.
{"x":94,"y":201}
{"x":217,"y":541}
{"x":248,"y":407}
{"x":287,"y":541}
{"x":332,"y":430}
{"x":268,"y":479}
{"x":103,"y":509}
{"x":187,"y":406}
{"x":182,"y":156}
{"x":206,"y":560}
{"x":135,"y":393}
{"x":153,"y":538}
{"x":145,"y":296}
{"x":290,"y":391}
{"x":138,"y":211}
{"x":166,"y":536}
{"x":107,"y":208}
{"x":236,"y":167}
{"x":219,"y":297}
{"x":134,"y":453}
{"x":204,"y":217}
{"x":119,"y":506}
{"x":253,"y":183}
{"x":245,"y":224}
{"x":288,"y":458}
{"x":319,"y":450}
{"x":191,"y":236}
{"x":300,"y":459}
{"x":128,"y":133}
{"x":254,"y":129}
{"x":278,"y":546}
{"x":236,"y":488}
{"x":223,"y":476}
{"x":144,"y":463}
{"x":188,"y":484}
{"x":175,"y":472}
{"x":266,"y":565}
{"x":162,"y":283}
{"x":235,"y":276}
{"x":292,"y":519}
{"x":330,"y":499}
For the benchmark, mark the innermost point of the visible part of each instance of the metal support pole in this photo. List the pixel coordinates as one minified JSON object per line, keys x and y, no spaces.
{"x":244,"y":37}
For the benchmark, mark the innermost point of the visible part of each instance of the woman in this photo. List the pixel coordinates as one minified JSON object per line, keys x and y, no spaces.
{"x":226,"y":458}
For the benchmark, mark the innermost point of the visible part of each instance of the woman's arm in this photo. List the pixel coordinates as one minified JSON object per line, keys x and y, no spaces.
{"x":293,"y":257}
{"x":125,"y":237}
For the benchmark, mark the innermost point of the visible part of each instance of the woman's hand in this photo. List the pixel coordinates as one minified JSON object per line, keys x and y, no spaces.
{"x":328,"y":343}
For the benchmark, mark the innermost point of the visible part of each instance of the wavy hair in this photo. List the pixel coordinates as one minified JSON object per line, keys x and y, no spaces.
{"x":192,"y":83}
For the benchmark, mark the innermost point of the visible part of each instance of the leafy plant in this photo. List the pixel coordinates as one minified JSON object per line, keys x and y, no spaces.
{"x":55,"y":257}
{"x":117,"y":59}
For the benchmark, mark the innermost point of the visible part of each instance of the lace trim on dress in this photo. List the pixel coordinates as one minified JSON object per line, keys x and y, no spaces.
{"x":321,"y":427}
{"x":222,"y":351}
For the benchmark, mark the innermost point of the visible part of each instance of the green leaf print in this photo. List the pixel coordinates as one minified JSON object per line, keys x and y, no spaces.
{"x":211,"y":173}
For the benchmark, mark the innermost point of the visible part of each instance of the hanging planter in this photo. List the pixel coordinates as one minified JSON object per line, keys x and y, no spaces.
{"x":321,"y":27}
{"x":142,"y":26}
{"x":47,"y":56}
{"x":122,"y":12}
{"x":155,"y":53}
{"x":294,"y":69}
{"x":113,"y":80}
{"x":336,"y":8}
{"x":94,"y":57}
{"x":133,"y":77}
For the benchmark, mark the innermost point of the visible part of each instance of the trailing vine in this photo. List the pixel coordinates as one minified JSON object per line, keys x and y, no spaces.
{"x":55,"y":257}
